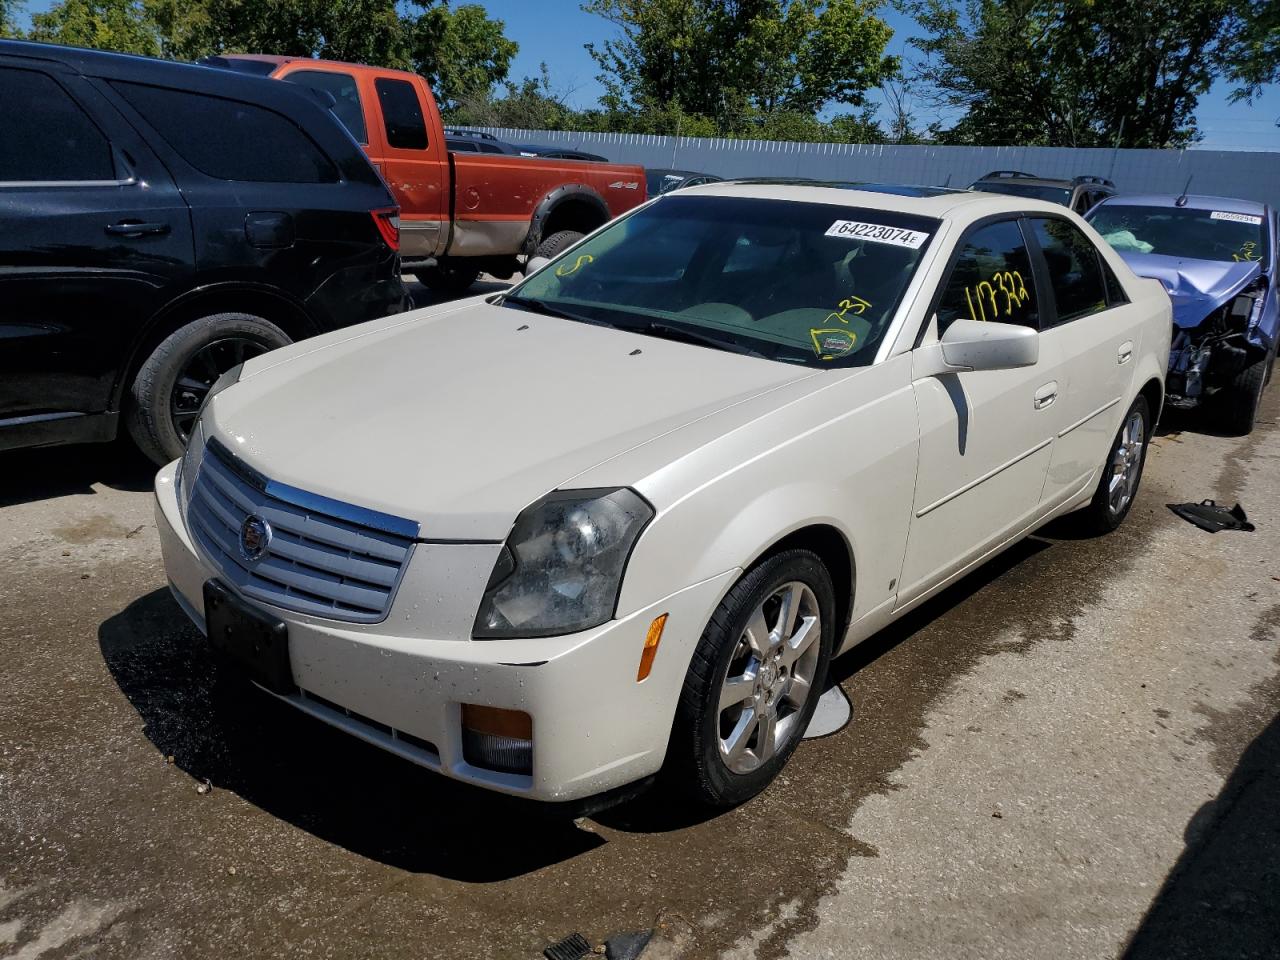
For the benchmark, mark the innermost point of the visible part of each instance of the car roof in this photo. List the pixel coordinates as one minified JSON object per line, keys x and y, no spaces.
{"x":1195,"y":201}
{"x":927,"y":202}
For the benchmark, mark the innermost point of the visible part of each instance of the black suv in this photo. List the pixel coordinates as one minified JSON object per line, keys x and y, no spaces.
{"x":163,"y":222}
{"x":1079,"y":193}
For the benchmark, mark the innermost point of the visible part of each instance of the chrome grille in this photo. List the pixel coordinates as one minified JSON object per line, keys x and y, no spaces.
{"x":324,"y":558}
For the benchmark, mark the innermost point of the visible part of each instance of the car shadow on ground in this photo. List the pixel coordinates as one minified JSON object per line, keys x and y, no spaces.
{"x":43,"y":474}
{"x":1221,"y":901}
{"x":220,"y":729}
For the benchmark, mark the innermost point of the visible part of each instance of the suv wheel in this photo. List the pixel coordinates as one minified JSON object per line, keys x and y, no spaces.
{"x":173,"y":382}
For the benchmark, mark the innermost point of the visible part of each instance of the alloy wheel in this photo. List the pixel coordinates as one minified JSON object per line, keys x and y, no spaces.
{"x":197,"y":377}
{"x":1126,"y":463}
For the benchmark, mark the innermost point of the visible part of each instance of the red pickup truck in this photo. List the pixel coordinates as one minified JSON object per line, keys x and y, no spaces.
{"x":459,"y":213}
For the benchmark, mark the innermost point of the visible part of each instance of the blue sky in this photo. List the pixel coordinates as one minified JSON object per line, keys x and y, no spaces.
{"x":554,"y":31}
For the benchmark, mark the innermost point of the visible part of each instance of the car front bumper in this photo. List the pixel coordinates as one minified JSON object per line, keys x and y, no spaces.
{"x":595,"y":728}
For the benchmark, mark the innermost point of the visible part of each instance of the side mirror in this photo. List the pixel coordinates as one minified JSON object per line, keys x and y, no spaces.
{"x":979,"y":345}
{"x":535,"y":264}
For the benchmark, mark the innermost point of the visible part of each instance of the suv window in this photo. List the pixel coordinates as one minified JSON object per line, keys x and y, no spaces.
{"x":342,"y":87}
{"x":1075,"y":270}
{"x":991,"y":279}
{"x":402,"y":114}
{"x":230,"y":140}
{"x":47,"y":137}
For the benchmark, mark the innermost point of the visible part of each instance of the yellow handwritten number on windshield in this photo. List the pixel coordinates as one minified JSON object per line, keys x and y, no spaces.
{"x":561,"y":271}
{"x":856,"y":304}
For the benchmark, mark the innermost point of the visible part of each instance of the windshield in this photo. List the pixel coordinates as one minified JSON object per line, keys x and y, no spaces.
{"x":1180,"y":232}
{"x":807,"y":283}
{"x":1035,"y":191}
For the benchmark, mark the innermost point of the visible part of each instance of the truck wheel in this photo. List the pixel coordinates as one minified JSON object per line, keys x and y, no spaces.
{"x":557,"y":242}
{"x":1244,"y":396}
{"x":172,"y":383}
{"x":449,"y":278}
{"x":754,"y":680}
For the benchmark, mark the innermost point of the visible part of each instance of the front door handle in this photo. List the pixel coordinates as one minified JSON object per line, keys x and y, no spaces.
{"x":1046,"y":395}
{"x":1125,"y":352}
{"x":134,"y":228}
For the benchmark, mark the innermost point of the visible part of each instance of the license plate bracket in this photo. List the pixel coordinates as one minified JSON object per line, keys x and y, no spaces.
{"x":253,"y":641}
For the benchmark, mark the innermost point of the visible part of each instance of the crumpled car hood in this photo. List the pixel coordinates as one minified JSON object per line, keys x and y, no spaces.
{"x":1196,"y":287}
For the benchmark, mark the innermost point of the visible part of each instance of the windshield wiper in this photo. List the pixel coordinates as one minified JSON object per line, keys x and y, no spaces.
{"x":670,"y":331}
{"x":534,"y":305}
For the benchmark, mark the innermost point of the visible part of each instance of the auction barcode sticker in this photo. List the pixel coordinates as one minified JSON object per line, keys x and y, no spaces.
{"x":1237,"y":217}
{"x":877,"y":233}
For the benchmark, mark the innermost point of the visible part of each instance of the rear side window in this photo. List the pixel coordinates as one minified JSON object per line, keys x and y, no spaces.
{"x":402,"y":114}
{"x":1075,"y":270}
{"x":991,"y":279}
{"x":44,"y":135}
{"x":342,"y":87}
{"x":228,"y":139}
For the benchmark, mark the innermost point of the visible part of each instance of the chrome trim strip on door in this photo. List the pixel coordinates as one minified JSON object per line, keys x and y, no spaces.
{"x":984,"y":478}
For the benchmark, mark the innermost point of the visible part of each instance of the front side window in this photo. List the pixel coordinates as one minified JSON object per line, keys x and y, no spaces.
{"x":342,"y":87}
{"x":1075,"y":271}
{"x":229,"y":139}
{"x":804,"y":283}
{"x":1181,"y":232}
{"x":44,"y":135}
{"x":401,"y":114}
{"x":991,"y":279}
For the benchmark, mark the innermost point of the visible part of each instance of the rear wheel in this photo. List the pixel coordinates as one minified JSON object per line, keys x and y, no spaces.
{"x":557,"y":242}
{"x":754,"y":680}
{"x":450,"y":278}
{"x":1121,"y":474}
{"x":172,"y":383}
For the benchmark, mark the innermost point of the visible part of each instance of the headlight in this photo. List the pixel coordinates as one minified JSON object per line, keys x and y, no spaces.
{"x":561,"y":568}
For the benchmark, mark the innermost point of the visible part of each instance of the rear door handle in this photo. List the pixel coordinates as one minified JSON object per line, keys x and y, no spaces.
{"x":1125,"y":352}
{"x":133,"y":228}
{"x":1046,"y":395}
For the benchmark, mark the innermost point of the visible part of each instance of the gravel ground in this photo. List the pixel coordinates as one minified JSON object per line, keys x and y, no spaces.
{"x":1074,"y":752}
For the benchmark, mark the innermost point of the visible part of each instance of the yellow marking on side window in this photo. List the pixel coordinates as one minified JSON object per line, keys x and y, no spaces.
{"x":1005,"y":289}
{"x":577,"y":265}
{"x":856,"y":304}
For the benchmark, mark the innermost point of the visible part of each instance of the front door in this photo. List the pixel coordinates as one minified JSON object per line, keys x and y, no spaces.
{"x":986,"y":437}
{"x":96,"y":238}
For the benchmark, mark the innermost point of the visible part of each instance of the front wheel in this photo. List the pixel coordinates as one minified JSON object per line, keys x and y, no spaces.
{"x":1121,"y":474}
{"x":1244,"y":396}
{"x":754,"y":680}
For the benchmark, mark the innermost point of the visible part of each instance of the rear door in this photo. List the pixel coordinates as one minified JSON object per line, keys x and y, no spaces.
{"x":96,"y":238}
{"x":986,"y":436}
{"x":1090,"y":323}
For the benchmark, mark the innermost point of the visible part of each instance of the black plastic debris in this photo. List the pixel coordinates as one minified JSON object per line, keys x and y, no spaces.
{"x":627,"y":946}
{"x":573,"y":947}
{"x":1207,"y":515}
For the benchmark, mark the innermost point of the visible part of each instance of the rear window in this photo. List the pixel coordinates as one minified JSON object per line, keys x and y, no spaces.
{"x":44,"y":135}
{"x":401,"y":114}
{"x":228,"y":139}
{"x":342,"y":87}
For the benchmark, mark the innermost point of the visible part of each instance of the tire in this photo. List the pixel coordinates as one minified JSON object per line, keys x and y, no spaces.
{"x":557,"y":243}
{"x":1102,"y":514}
{"x":199,"y":352}
{"x":449,"y":278}
{"x":699,"y":764}
{"x":1244,"y":396}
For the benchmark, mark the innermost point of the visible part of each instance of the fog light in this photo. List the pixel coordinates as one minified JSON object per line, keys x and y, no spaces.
{"x":497,"y":739}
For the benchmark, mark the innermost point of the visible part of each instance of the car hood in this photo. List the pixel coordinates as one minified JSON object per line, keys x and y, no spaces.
{"x":1196,"y":287}
{"x":459,"y":418}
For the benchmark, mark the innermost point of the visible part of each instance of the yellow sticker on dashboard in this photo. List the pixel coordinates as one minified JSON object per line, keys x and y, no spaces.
{"x":577,"y":265}
{"x":834,"y":343}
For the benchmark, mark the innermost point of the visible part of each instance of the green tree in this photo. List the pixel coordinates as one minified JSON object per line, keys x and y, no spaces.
{"x":1070,"y":73}
{"x":121,"y":25}
{"x":461,"y":52}
{"x":7,"y":10}
{"x":1254,"y":61}
{"x":730,"y":59}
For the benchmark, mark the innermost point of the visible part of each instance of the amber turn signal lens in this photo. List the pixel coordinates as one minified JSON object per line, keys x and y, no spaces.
{"x":497,"y":722}
{"x":651,"y":641}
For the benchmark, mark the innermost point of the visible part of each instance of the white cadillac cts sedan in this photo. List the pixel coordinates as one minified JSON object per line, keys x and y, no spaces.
{"x":618,"y":520}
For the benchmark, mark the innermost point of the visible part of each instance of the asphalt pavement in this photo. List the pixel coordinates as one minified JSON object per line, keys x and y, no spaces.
{"x":1074,"y":752}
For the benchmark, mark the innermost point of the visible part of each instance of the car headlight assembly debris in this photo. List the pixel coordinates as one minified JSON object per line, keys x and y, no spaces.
{"x":561,"y":568}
